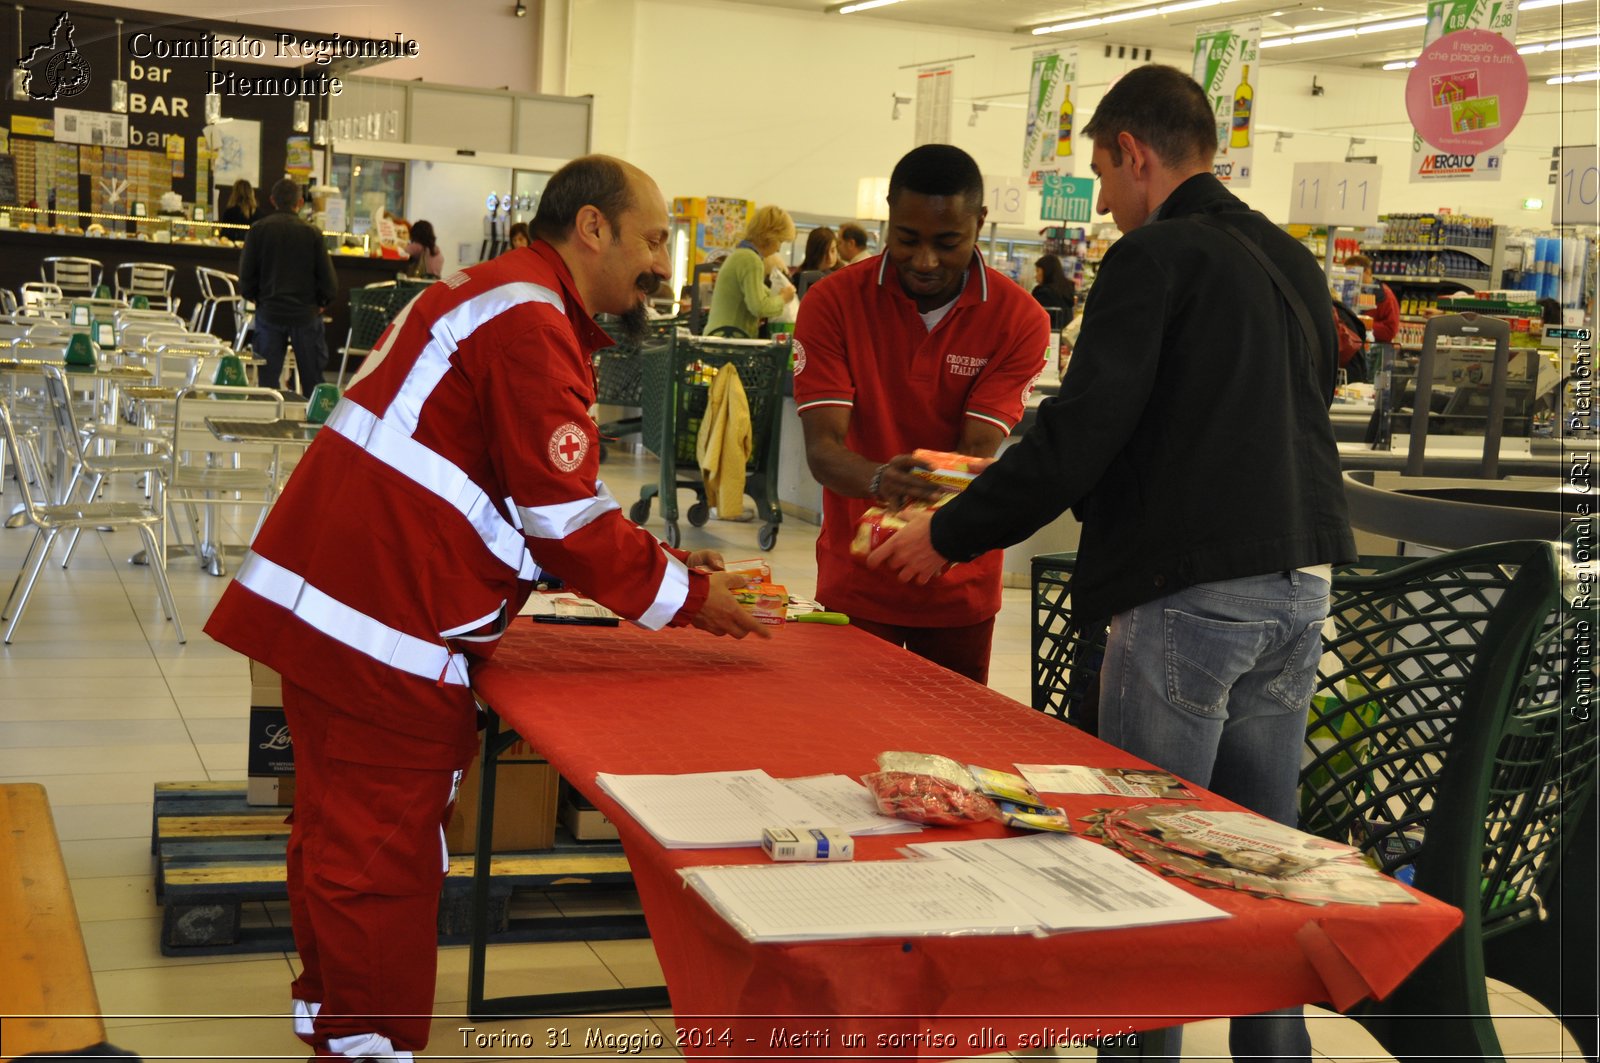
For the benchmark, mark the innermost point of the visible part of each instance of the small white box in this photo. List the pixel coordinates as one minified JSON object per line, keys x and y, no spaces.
{"x":807,"y":843}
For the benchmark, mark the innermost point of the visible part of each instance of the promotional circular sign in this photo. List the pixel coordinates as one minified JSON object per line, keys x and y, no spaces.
{"x":1467,"y":91}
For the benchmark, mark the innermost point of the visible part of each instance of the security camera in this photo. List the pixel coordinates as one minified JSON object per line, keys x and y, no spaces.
{"x":1316,"y":90}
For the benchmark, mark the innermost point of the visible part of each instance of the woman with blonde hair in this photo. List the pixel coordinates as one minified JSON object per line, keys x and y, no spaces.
{"x":741,"y":297}
{"x":241,"y":208}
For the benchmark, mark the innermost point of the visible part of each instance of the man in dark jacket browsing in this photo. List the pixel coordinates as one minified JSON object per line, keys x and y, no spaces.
{"x":286,"y":272}
{"x":1191,"y":438}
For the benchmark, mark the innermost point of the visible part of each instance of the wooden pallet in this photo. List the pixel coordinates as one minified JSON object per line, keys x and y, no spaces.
{"x":216,"y":854}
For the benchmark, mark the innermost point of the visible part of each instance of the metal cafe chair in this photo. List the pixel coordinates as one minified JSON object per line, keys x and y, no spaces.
{"x":71,"y":274}
{"x":37,"y":295}
{"x":50,"y":520}
{"x":79,"y":449}
{"x":218,"y":289}
{"x":205,"y":472}
{"x":153,"y":280}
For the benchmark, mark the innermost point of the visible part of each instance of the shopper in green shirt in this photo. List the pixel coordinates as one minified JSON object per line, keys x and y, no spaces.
{"x":741,"y":297}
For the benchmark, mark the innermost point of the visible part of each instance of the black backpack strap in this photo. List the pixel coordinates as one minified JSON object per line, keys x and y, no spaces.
{"x":1292,"y":297}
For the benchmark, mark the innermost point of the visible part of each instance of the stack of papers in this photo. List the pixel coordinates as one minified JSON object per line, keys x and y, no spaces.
{"x":1003,"y":886}
{"x":714,"y":810}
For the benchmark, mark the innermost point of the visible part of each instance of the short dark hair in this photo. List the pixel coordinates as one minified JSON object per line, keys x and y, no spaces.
{"x":286,"y":194}
{"x":1161,"y":106}
{"x":597,"y":181}
{"x":938,"y":170}
{"x":854,"y":233}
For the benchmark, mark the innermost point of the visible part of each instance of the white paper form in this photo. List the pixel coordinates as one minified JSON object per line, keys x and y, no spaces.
{"x":709,"y":810}
{"x":848,"y":805}
{"x":872,"y":898}
{"x":1069,"y":883}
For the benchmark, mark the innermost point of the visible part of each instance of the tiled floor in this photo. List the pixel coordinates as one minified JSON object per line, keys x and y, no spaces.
{"x":100,"y":702}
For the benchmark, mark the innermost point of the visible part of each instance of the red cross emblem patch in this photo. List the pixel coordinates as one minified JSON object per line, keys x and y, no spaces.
{"x":568,"y":445}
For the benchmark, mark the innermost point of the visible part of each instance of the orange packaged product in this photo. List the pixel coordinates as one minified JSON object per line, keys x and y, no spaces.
{"x":767,"y":602}
{"x":878,"y":524}
{"x":953,"y":472}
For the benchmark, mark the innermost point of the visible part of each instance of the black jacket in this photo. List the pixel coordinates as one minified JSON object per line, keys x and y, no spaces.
{"x":285,"y":270}
{"x":1191,"y":435}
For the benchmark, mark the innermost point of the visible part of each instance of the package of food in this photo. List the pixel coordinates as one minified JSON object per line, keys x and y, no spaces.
{"x":878,"y":524}
{"x":953,"y":472}
{"x":926,"y":788}
{"x":767,"y":602}
{"x":755,"y":570}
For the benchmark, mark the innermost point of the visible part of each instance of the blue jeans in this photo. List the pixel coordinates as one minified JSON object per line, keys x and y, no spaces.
{"x":310,"y":351}
{"x":1213,"y":683}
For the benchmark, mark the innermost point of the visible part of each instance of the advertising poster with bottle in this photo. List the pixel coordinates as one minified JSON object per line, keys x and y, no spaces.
{"x":1224,"y":57}
{"x":1429,"y":163}
{"x":1048,"y":144}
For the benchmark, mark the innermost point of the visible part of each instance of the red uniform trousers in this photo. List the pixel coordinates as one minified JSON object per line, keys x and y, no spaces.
{"x":365,"y":867}
{"x":963,"y":650}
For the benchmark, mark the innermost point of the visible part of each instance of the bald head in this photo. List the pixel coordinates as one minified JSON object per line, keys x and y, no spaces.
{"x":607,"y":184}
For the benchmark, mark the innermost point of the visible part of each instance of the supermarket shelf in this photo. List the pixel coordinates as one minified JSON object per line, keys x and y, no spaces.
{"x":1483,"y":254}
{"x":1457,"y":281}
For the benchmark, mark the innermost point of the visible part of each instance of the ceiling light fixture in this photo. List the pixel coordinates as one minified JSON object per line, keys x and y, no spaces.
{"x":859,"y":5}
{"x":1127,"y":15}
{"x":1568,"y":79}
{"x":1558,"y":45}
{"x":1385,"y":25}
{"x":1404,"y":64}
{"x":119,"y":88}
{"x":19,"y":76}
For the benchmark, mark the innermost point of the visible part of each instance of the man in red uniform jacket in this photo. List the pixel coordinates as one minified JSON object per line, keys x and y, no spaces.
{"x":460,"y":465}
{"x":925,"y":347}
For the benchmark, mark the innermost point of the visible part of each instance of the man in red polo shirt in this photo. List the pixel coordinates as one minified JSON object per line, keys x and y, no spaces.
{"x":921,"y":346}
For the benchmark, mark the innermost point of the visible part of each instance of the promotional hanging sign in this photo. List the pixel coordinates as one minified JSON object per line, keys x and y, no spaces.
{"x":1466,"y":93}
{"x":1223,"y":59}
{"x":1067,"y":198}
{"x":934,"y":89}
{"x":1048,"y":143}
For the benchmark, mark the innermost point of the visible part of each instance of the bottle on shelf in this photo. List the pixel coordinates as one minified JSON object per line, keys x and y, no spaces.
{"x":1243,"y":102}
{"x":1064,"y":129}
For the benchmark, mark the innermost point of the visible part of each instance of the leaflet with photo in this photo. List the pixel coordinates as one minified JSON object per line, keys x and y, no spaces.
{"x":1120,"y":782}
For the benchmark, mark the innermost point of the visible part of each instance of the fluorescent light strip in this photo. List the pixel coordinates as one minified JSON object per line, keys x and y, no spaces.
{"x":1128,"y":15}
{"x":1558,"y":46}
{"x":865,"y":5}
{"x":1593,"y":75}
{"x":1405,"y":64}
{"x":1384,"y":26}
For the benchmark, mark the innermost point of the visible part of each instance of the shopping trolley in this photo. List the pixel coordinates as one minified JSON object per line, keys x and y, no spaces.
{"x":619,"y":373}
{"x":674,"y":401}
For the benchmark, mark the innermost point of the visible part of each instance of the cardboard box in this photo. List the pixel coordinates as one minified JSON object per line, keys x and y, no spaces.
{"x":584,"y":821}
{"x":524,"y":805}
{"x":270,"y":756}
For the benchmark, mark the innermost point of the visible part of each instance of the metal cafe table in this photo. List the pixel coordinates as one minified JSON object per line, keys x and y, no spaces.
{"x":818,"y":699}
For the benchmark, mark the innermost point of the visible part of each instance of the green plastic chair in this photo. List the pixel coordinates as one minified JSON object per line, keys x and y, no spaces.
{"x":1462,"y":757}
{"x":1447,"y":739}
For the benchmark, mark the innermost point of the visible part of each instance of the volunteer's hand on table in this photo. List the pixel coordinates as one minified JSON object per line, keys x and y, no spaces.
{"x":900,"y":484}
{"x":710,"y":560}
{"x":910,"y":551}
{"x":722,"y":614}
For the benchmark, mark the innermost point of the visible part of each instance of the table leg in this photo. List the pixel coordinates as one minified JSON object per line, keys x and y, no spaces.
{"x":641,"y":998}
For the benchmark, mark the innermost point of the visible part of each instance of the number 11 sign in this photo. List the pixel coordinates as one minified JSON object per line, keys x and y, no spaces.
{"x":1334,"y":193}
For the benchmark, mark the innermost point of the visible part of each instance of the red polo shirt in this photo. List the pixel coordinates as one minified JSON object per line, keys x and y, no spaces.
{"x":860,"y":343}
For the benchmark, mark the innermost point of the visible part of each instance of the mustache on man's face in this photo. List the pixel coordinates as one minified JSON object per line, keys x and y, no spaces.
{"x":647,"y":283}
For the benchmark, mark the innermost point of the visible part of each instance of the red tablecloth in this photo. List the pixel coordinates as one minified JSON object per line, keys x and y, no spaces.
{"x":828,"y":699}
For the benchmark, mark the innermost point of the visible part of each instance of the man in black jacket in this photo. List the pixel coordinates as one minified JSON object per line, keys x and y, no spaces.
{"x":1191,"y":438}
{"x":286,"y":272}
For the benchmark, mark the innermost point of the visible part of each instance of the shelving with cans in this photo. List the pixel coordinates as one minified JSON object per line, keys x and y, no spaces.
{"x":1438,"y":251}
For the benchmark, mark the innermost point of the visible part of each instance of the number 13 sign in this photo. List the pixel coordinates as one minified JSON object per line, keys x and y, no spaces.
{"x":1334,"y":193}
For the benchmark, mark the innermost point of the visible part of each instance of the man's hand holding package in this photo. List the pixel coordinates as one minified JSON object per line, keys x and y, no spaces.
{"x":910,"y":551}
{"x":900,"y":483}
{"x":722,"y":614}
{"x":706,"y":560}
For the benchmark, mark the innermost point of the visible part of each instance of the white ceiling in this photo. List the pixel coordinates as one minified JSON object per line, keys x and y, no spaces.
{"x":1579,"y":19}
